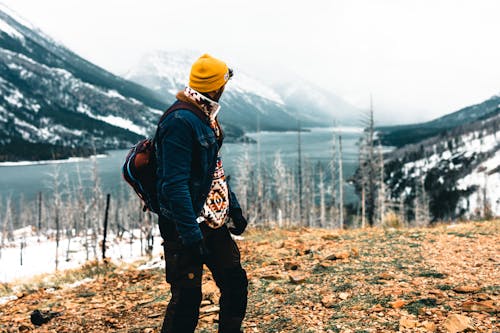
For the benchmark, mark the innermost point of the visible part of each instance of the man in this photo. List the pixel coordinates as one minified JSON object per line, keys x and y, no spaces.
{"x":196,"y":203}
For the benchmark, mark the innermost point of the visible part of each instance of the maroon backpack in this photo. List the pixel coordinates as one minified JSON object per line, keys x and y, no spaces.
{"x":139,"y":169}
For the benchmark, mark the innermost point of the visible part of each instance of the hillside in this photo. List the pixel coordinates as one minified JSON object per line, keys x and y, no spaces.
{"x":458,"y":170}
{"x":440,"y":279}
{"x":401,"y":135}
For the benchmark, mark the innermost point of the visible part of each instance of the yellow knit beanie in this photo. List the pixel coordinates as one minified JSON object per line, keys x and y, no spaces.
{"x":208,"y":74}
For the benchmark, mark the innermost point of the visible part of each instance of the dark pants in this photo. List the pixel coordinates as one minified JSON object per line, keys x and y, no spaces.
{"x":185,"y":275}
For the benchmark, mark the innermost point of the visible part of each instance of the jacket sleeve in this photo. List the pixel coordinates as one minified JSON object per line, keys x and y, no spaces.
{"x":173,"y":189}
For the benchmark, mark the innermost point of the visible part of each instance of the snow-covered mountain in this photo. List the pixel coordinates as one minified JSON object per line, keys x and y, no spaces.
{"x":247,"y":102}
{"x":459,"y":168}
{"x":53,"y":103}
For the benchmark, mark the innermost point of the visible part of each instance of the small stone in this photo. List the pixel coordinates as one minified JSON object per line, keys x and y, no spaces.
{"x":343,"y":296}
{"x":209,"y":309}
{"x":291,"y":266}
{"x":330,"y":237}
{"x":386,"y":276}
{"x":25,"y":328}
{"x":377,"y":308}
{"x":279,"y":290}
{"x":297,"y":278}
{"x":336,"y":256}
{"x":430,"y":327}
{"x":398,"y":304}
{"x":355,"y":252}
{"x":466,"y":289}
{"x":406,"y":322}
{"x":457,"y":323}
{"x":483,"y":306}
{"x":329,"y":301}
{"x":272,"y":277}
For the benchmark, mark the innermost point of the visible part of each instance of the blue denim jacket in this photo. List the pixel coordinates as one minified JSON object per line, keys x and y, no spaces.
{"x":186,"y":152}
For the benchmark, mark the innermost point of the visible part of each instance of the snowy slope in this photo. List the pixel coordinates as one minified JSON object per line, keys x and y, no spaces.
{"x":460,"y":170}
{"x":55,"y":104}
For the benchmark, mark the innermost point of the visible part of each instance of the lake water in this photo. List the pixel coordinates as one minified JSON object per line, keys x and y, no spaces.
{"x":27,"y":180}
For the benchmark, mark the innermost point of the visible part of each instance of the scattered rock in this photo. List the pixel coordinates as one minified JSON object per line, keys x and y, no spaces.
{"x":291,"y":266}
{"x":466,"y":289}
{"x":483,"y":297}
{"x":483,"y":306}
{"x":279,"y":290}
{"x":25,"y":328}
{"x":329,"y":301}
{"x":272,"y":277}
{"x":343,"y":296}
{"x":155,"y":315}
{"x":297,"y":278}
{"x":430,"y":327}
{"x":386,"y":276}
{"x":355,"y":252}
{"x":406,"y":322}
{"x":331,"y":237}
{"x":336,"y":256}
{"x":39,"y":318}
{"x":398,"y":304}
{"x":211,"y":292}
{"x":377,"y":308}
{"x":210,"y":309}
{"x":457,"y":323}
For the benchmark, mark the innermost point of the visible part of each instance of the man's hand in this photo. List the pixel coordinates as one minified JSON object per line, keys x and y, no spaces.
{"x":239,"y":221}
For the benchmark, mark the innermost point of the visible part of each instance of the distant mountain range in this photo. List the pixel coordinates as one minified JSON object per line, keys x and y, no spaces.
{"x":247,"y":102}
{"x":401,"y":135}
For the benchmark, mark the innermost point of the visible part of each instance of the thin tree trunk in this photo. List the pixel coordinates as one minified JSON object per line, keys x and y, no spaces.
{"x":341,"y":187}
{"x":105,"y":234}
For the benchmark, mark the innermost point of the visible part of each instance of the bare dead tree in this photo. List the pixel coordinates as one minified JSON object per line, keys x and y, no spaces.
{"x":322,"y":203}
{"x":381,"y":206}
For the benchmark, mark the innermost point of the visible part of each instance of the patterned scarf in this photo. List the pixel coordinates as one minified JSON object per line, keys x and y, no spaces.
{"x":209,"y":107}
{"x":215,"y":212}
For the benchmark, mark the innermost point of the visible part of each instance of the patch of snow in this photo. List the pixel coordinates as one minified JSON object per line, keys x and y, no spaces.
{"x":9,"y":30}
{"x":7,"y":299}
{"x":488,"y":184}
{"x":245,"y":84}
{"x":15,"y":98}
{"x":78,"y":283}
{"x":123,"y":123}
{"x":39,"y":254}
{"x":67,"y":160}
{"x":152,"y":264}
{"x":114,"y":94}
{"x":35,"y":107}
{"x":155,"y":111}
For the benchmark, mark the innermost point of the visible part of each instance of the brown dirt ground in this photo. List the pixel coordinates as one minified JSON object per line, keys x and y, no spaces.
{"x":439,"y":279}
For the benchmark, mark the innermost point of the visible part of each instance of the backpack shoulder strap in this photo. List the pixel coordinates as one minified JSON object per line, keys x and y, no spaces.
{"x":180,"y":105}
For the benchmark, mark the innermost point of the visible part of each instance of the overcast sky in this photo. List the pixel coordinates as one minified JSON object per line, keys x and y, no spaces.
{"x":419,"y":59}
